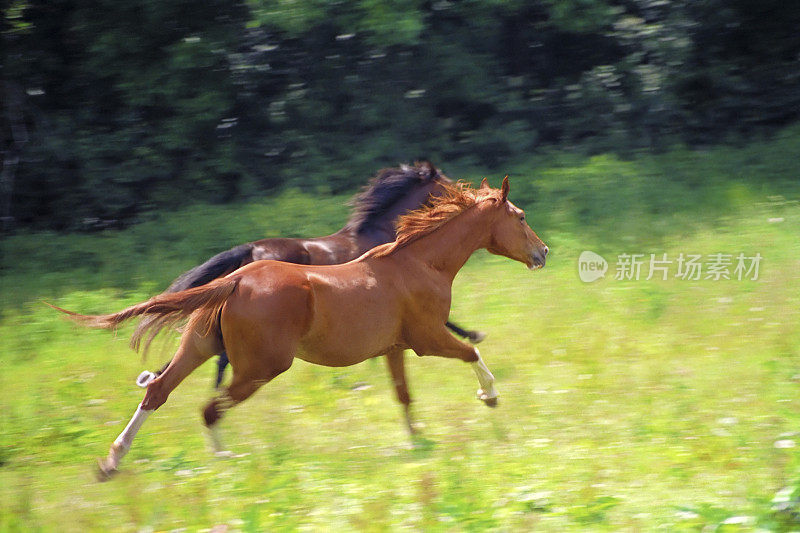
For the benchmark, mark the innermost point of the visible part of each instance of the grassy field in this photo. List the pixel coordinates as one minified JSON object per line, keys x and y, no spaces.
{"x":625,"y":405}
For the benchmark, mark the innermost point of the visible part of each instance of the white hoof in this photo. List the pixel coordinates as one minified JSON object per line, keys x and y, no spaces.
{"x":224,"y":454}
{"x":105,"y":469}
{"x":489,"y":398}
{"x":145,"y":378}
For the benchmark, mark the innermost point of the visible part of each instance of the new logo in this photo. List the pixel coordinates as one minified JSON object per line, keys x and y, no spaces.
{"x":591,"y":266}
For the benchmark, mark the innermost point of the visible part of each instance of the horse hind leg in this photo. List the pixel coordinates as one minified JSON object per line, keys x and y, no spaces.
{"x":189,"y":356}
{"x":107,"y":466}
{"x":222,"y":364}
{"x":144,"y":379}
{"x":235,"y":394}
{"x":243,"y":385}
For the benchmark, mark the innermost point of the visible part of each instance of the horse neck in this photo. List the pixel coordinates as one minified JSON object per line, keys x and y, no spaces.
{"x":372,"y":237}
{"x":448,"y":247}
{"x":384,"y":225}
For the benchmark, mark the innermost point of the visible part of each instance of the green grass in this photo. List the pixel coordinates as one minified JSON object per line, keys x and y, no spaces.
{"x":624,"y":405}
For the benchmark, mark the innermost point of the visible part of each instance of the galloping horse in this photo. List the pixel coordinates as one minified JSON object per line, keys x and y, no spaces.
{"x":393,"y":192}
{"x":394,"y":297}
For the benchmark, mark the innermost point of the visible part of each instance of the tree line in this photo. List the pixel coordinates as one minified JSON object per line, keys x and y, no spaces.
{"x":111,"y":109}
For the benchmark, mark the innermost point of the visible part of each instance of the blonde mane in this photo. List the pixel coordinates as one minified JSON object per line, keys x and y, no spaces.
{"x":438,"y":211}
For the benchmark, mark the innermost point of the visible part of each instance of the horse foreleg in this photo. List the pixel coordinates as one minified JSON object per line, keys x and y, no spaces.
{"x":474,"y":336}
{"x":395,"y":362}
{"x":487,"y":393}
{"x":442,"y":344}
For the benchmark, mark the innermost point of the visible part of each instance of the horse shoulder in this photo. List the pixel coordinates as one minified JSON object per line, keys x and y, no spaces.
{"x":426,"y":292}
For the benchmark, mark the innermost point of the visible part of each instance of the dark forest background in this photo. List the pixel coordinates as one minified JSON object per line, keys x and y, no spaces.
{"x":111,"y":109}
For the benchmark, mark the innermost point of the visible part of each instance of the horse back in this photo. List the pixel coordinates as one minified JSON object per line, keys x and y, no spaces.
{"x":281,"y":249}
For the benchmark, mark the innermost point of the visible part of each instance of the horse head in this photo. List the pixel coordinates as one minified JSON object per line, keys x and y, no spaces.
{"x":511,"y":236}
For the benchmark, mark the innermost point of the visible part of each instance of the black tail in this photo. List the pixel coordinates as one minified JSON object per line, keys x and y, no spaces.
{"x":219,"y":265}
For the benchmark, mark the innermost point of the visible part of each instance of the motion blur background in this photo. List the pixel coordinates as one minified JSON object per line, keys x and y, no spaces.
{"x":141,"y":137}
{"x":115,"y":109}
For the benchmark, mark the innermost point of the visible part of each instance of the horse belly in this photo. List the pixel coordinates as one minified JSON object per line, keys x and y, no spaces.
{"x":346,"y":334}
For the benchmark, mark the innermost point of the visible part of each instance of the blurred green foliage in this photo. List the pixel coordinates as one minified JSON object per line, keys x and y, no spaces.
{"x":647,"y":200}
{"x":112,"y":109}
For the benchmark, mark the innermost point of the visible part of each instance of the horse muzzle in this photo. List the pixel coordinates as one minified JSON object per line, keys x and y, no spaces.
{"x":537,"y":259}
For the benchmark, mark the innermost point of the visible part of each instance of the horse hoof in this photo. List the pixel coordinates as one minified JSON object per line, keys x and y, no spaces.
{"x":421,"y":444}
{"x":477,"y":336}
{"x":145,"y":378}
{"x":483,"y":396}
{"x":104,"y":470}
{"x":224,"y":454}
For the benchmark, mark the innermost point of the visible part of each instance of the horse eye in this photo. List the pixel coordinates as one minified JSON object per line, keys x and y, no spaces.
{"x":522,"y":218}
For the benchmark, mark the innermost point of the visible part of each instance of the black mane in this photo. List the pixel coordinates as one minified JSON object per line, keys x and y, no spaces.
{"x":388,"y":187}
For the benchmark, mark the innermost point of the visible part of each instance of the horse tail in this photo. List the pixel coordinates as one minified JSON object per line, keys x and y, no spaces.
{"x":202,"y":303}
{"x":221,"y":264}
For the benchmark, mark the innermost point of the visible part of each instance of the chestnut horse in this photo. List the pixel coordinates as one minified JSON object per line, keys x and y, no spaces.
{"x":394,"y":297}
{"x":391,"y":193}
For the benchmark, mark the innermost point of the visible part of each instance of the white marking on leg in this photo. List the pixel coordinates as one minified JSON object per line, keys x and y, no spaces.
{"x":145,"y":378}
{"x":126,"y":437}
{"x":123,"y":443}
{"x":219,"y":448}
{"x":216,"y":440}
{"x":485,"y":378}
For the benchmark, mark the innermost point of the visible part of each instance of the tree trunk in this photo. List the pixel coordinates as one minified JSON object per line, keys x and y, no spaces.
{"x":15,"y":138}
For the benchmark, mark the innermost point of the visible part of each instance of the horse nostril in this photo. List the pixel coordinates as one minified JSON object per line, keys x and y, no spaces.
{"x":546,"y":249}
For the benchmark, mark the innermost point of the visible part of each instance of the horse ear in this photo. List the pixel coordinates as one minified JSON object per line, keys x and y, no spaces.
{"x":504,"y":189}
{"x":484,"y":184}
{"x":428,"y":171}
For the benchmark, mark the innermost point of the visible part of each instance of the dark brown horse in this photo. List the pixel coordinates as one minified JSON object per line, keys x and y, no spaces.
{"x":390,"y":194}
{"x":392,"y":298}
